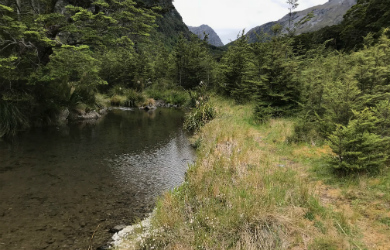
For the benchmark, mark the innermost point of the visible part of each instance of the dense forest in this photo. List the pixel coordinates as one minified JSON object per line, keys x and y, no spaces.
{"x":83,"y":55}
{"x":58,"y":55}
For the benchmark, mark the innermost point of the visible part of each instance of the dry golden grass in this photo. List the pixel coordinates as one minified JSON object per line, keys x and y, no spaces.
{"x":312,"y":152}
{"x":149,"y":102}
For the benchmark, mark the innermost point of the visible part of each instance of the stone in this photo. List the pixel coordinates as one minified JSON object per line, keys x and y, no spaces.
{"x":63,"y":115}
{"x":117,"y":228}
{"x":103,"y":111}
{"x":104,"y":247}
{"x":91,"y":115}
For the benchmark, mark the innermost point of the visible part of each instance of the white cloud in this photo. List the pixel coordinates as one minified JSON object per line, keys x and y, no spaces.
{"x":229,"y":17}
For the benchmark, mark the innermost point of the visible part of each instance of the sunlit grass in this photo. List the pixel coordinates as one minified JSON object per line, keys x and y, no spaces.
{"x":246,"y":191}
{"x":251,"y":188}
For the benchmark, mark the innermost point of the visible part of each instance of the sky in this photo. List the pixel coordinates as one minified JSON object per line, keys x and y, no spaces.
{"x":230,"y":17}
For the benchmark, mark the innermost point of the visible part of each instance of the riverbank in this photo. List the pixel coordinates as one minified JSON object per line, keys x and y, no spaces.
{"x":251,"y":189}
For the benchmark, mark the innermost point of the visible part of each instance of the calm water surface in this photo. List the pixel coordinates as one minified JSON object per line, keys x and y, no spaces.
{"x":65,"y":187}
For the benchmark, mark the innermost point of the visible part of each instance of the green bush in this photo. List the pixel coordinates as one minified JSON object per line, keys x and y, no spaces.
{"x":11,"y":119}
{"x":356,"y":147}
{"x":83,"y":94}
{"x":102,"y":100}
{"x":177,"y":97}
{"x":133,"y":98}
{"x":263,"y":114}
{"x":199,"y":96}
{"x":168,"y":94}
{"x":155,"y":93}
{"x":121,"y":96}
{"x":306,"y":130}
{"x":117,"y":90}
{"x":118,"y":100}
{"x":199,"y":117}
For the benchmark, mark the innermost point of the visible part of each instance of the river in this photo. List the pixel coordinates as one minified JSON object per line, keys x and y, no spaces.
{"x":66,"y":187}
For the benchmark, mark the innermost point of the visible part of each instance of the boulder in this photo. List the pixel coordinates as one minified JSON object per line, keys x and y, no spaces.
{"x":87,"y":116}
{"x":90,"y":115}
{"x":63,"y":115}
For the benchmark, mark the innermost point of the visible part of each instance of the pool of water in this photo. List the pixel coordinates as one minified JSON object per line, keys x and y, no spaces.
{"x":65,"y":187}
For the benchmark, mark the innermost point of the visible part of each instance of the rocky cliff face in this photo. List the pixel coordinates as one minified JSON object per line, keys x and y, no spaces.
{"x":201,"y":30}
{"x":170,"y":24}
{"x":328,"y":14}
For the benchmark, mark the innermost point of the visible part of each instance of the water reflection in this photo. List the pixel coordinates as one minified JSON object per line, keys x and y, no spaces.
{"x":154,"y":169}
{"x":58,"y":186}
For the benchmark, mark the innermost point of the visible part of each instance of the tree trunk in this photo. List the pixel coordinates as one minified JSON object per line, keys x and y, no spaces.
{"x":18,"y":8}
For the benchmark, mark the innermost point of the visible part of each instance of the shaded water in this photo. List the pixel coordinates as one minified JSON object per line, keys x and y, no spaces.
{"x":64,"y":188}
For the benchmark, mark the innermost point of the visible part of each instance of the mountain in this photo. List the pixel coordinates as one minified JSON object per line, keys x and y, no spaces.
{"x":213,"y":37}
{"x":170,"y":23}
{"x":328,"y":14}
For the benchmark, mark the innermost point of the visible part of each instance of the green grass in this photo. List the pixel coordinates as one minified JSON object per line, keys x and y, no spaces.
{"x":169,"y":95}
{"x":363,"y":198}
{"x":245,"y":192}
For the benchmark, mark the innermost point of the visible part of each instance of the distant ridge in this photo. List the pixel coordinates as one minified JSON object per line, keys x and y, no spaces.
{"x":328,"y":14}
{"x":213,"y":36}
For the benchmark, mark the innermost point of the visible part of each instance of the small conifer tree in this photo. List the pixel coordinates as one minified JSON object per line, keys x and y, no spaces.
{"x":279,"y":88}
{"x":355,"y":146}
{"x":237,"y":81}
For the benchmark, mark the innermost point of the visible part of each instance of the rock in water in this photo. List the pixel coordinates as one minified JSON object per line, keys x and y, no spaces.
{"x":117,"y":228}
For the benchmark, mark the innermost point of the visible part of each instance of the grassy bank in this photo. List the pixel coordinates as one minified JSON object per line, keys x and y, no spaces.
{"x":250,"y":189}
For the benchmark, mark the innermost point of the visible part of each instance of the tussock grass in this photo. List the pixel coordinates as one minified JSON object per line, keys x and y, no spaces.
{"x":102,"y":100}
{"x":168,"y":94}
{"x":11,"y":119}
{"x":244,"y":192}
{"x":118,"y":100}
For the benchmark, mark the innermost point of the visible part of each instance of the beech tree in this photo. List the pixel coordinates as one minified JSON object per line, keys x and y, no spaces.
{"x":192,"y":62}
{"x":235,"y":67}
{"x":49,"y":50}
{"x":278,"y":91}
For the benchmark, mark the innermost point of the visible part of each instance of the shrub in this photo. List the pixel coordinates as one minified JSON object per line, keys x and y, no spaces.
{"x":155,"y":93}
{"x":356,"y":147}
{"x":263,"y":114}
{"x":134,"y":98}
{"x":102,"y":100}
{"x":125,"y":97}
{"x":306,"y":130}
{"x":11,"y":119}
{"x":83,"y":94}
{"x":118,"y":100}
{"x":199,"y":117}
{"x":168,"y":94}
{"x":177,"y":97}
{"x":117,"y":90}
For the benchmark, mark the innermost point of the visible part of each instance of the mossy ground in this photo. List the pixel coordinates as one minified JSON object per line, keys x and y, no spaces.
{"x":251,"y":189}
